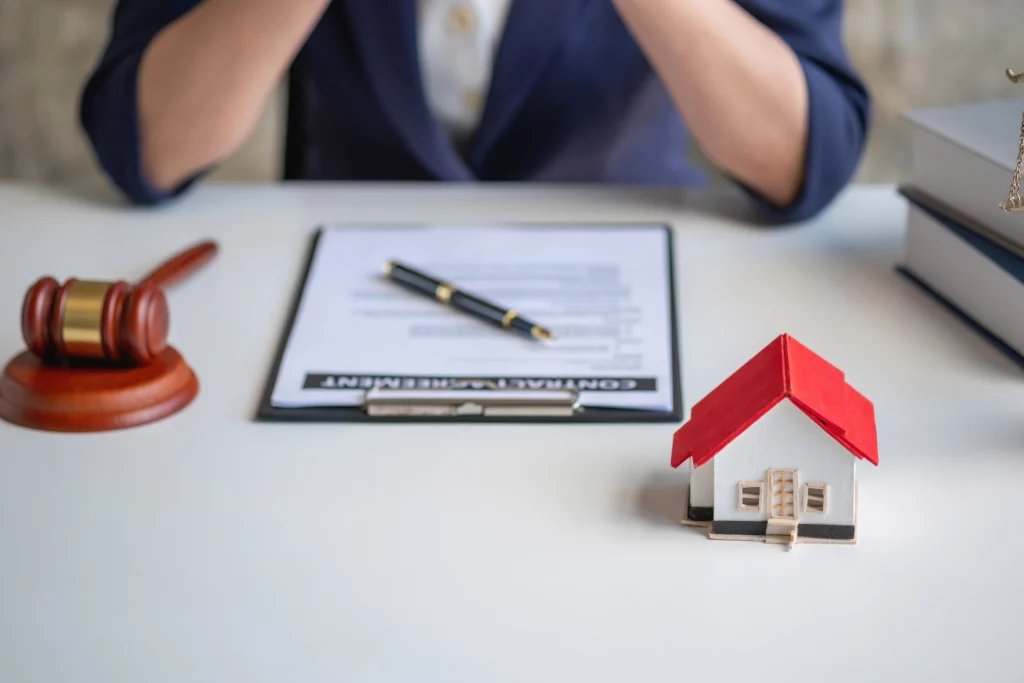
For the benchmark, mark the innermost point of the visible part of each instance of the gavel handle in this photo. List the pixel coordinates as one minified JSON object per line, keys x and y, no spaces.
{"x":181,"y":265}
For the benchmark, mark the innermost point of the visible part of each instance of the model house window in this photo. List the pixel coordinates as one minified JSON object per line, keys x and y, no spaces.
{"x":750,"y":495}
{"x":815,"y":497}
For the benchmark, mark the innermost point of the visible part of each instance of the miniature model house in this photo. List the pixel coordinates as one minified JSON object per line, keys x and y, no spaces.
{"x":773,"y":450}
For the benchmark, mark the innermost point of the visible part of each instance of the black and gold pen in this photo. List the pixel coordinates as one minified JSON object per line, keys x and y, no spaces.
{"x":450,"y":295}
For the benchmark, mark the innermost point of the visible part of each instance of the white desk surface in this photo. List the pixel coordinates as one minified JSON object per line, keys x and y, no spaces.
{"x":208,"y":547}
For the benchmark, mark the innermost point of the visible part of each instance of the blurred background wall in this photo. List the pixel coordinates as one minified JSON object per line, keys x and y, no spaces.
{"x":912,"y":52}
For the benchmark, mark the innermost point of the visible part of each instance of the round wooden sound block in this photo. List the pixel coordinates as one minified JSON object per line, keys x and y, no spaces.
{"x":84,"y":396}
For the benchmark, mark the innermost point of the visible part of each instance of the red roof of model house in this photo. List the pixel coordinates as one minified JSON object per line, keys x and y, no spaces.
{"x":783,"y":369}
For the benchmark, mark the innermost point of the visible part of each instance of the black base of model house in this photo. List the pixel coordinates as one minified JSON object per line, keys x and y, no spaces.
{"x":699,"y":514}
{"x":834,"y":532}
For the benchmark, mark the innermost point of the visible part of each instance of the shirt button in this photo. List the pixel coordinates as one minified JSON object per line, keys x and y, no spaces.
{"x":473,"y":100}
{"x":461,"y":18}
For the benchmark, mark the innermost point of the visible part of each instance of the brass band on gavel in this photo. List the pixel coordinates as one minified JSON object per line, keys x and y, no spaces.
{"x":82,"y":329}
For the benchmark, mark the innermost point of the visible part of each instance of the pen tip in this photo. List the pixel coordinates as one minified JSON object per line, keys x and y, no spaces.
{"x":542,"y":333}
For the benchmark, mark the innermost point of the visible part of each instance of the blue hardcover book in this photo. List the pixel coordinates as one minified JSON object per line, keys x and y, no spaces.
{"x":975,"y":273}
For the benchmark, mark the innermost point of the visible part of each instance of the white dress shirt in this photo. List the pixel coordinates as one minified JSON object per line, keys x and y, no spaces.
{"x":458,"y":40}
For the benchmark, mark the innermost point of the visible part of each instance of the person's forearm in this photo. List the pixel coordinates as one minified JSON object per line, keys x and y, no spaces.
{"x":738,"y":86}
{"x":205,"y":79}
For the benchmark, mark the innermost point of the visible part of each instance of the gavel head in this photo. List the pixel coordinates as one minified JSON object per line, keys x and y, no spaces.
{"x":81,"y":319}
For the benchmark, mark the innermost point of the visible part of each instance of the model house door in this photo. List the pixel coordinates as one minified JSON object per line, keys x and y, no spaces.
{"x":782,"y":502}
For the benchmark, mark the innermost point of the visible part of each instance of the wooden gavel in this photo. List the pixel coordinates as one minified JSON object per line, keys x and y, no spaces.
{"x":109,"y":321}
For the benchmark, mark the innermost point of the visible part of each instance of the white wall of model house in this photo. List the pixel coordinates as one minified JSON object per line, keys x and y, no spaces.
{"x":783,"y":438}
{"x":702,"y":484}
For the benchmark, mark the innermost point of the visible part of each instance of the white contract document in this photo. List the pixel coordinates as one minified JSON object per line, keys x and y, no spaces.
{"x":605,"y":291}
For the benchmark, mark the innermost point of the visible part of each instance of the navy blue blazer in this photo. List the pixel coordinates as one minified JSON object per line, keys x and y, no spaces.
{"x":572,"y":98}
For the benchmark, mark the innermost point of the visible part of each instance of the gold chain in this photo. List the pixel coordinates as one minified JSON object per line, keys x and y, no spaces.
{"x":1015,"y":184}
{"x":1013,"y":201}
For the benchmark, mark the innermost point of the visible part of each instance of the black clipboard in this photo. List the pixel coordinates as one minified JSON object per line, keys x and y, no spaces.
{"x":267,"y":412}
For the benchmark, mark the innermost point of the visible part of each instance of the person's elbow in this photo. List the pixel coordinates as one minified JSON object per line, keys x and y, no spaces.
{"x":838,"y":122}
{"x":108,"y":114}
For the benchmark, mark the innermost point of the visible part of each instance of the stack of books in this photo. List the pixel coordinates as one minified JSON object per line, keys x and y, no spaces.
{"x":961,"y":246}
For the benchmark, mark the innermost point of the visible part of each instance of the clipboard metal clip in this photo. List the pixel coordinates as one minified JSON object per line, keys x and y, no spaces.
{"x":464,"y":399}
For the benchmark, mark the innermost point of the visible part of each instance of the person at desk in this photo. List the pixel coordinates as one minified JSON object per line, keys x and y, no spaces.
{"x":486,"y":90}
